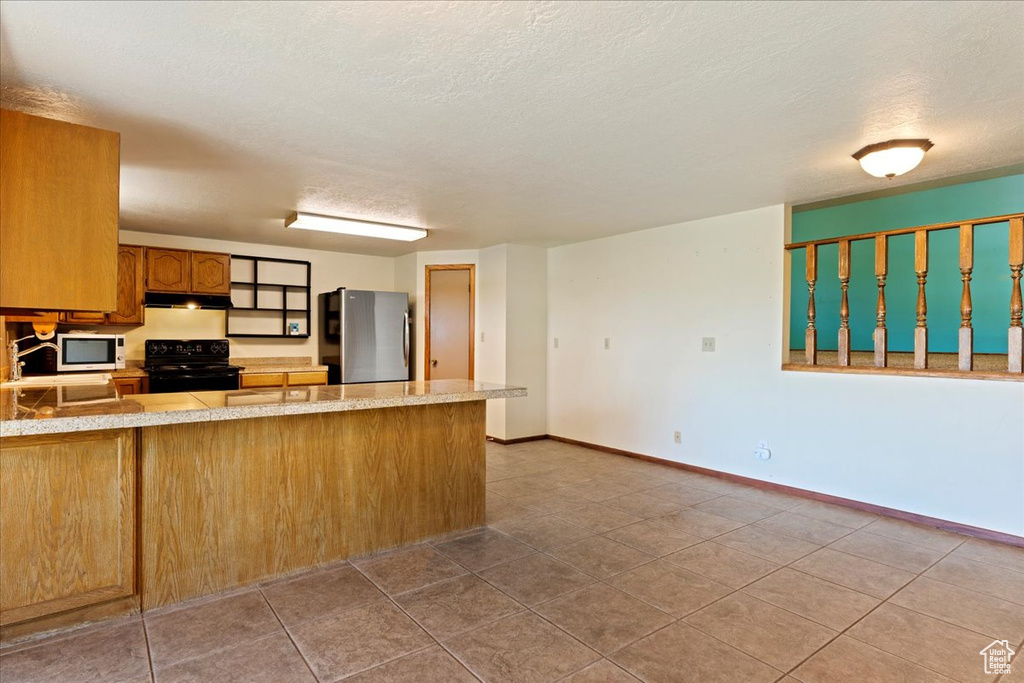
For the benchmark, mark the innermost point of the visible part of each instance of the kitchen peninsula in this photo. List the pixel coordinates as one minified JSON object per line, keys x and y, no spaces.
{"x":135,"y":502}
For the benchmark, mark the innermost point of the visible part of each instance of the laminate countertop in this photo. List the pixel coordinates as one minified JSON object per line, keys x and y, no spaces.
{"x":49,"y":410}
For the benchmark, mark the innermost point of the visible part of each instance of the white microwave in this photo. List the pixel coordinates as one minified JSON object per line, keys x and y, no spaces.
{"x":90,"y":352}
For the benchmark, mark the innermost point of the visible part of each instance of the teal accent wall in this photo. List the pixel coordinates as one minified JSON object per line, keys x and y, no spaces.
{"x":990,"y":284}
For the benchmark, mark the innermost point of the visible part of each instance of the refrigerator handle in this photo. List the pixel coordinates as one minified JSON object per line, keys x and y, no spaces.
{"x":405,"y":340}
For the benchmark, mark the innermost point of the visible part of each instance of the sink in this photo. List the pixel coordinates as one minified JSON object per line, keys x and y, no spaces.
{"x":60,"y":380}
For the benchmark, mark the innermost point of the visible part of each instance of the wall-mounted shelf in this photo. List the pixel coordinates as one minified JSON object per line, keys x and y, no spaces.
{"x":269,"y":296}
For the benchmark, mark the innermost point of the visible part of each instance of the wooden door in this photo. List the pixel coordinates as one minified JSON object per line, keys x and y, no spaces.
{"x":131,"y":286}
{"x":58,"y":214}
{"x":167,"y":270}
{"x":211,"y":273}
{"x":450,"y":293}
{"x":68,"y":520}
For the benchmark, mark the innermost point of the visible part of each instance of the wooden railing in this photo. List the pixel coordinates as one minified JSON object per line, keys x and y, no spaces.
{"x":965,"y":360}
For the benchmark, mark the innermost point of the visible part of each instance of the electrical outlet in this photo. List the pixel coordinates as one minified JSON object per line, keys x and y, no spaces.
{"x":707,"y":344}
{"x":677,"y":437}
{"x":607,"y":343}
{"x":762,"y":452}
{"x":556,"y":342}
{"x":481,"y":336}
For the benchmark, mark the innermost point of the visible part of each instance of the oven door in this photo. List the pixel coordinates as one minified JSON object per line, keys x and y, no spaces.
{"x":169,"y":382}
{"x":89,"y":351}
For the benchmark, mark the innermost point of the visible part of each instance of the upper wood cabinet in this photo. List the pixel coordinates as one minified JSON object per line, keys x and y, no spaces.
{"x":131,"y":286}
{"x":211,"y":273}
{"x":167,"y":270}
{"x":187,"y":272}
{"x":59,"y":197}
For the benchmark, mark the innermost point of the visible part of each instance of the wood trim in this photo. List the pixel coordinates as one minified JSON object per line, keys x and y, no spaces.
{"x":522,"y":439}
{"x":472,"y":314}
{"x":904,"y":231}
{"x":906,"y":372}
{"x":945,"y":525}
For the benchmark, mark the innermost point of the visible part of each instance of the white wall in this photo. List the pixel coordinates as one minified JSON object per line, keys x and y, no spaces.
{"x":491,"y":330}
{"x":951,"y":449}
{"x":329,"y":271}
{"x":526,"y":340}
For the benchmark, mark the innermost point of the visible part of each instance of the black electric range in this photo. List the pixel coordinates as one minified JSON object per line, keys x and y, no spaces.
{"x":189,"y":365}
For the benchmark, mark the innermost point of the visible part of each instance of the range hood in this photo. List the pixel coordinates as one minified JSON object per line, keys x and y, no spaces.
{"x":174,"y":300}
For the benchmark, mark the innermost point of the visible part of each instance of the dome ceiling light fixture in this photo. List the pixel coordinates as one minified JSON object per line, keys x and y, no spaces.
{"x":892,"y":158}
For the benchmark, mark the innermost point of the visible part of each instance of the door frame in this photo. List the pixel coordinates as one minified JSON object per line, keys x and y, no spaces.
{"x":472,"y":314}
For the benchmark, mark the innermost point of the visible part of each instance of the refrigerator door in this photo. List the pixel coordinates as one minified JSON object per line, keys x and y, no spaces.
{"x":375,"y":336}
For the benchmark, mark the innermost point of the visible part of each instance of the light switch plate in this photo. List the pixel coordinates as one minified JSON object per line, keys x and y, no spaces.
{"x":707,"y":344}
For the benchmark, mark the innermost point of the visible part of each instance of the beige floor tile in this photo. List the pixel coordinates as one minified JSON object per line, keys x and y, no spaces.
{"x":767,"y":545}
{"x":496,"y":473}
{"x":432,"y":665}
{"x":197,"y":630}
{"x":740,"y":509}
{"x":596,"y":491}
{"x":805,"y":528}
{"x":642,"y":505}
{"x":451,"y":607}
{"x":600,"y":557}
{"x":272,"y":658}
{"x":669,"y":588}
{"x":517,"y":487}
{"x":846,"y":659}
{"x":926,"y":537}
{"x":770,"y":634}
{"x":725,"y":565}
{"x":899,"y":554}
{"x":547,"y":502}
{"x":520,"y":649}
{"x":601,"y":672}
{"x":102,"y":654}
{"x":681,"y":494}
{"x":536,"y":578}
{"x":603,"y":618}
{"x":598,"y":518}
{"x":775,"y":499}
{"x":320,"y":594}
{"x":358,"y":639}
{"x":697,"y":523}
{"x":980,"y":577}
{"x":544,"y":532}
{"x":680,"y":653}
{"x":653,"y":538}
{"x":996,"y":554}
{"x":947,"y":649}
{"x":504,"y":510}
{"x":854,"y":572}
{"x":483,"y":549}
{"x":974,"y":611}
{"x":821,"y":601}
{"x":716,"y":485}
{"x":836,"y":514}
{"x":407,"y":569}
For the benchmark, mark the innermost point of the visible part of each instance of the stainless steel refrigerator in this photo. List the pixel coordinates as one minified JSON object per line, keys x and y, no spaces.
{"x":364,"y":336}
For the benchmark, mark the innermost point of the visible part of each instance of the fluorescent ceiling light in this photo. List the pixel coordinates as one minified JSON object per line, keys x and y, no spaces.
{"x":351,"y":226}
{"x":892,"y":158}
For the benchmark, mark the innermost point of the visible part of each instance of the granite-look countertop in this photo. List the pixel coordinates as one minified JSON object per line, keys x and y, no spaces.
{"x":49,"y":410}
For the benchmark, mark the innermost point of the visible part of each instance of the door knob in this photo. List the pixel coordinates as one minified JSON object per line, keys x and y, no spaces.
{"x":433,"y":362}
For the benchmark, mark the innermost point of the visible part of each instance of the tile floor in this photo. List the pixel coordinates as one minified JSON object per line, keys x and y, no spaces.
{"x":593,"y":568}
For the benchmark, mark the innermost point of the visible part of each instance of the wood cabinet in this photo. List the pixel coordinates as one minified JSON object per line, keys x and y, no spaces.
{"x":83,"y":317}
{"x":305,"y":378}
{"x":59,"y":194}
{"x":211,"y":273}
{"x":131,"y":385}
{"x":168,"y":270}
{"x":68,"y":520}
{"x":131,"y":287}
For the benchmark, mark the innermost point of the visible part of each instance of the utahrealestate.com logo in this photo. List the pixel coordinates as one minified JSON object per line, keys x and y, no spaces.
{"x":997,"y":657}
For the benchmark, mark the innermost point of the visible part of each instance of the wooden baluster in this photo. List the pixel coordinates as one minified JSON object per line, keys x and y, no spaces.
{"x":844,"y":305}
{"x":811,"y":337}
{"x":1015,"y":347}
{"x":966,"y":329}
{"x":881,"y":270}
{"x":921,"y":331}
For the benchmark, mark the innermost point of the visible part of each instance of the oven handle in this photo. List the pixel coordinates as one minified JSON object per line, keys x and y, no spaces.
{"x":213,"y":376}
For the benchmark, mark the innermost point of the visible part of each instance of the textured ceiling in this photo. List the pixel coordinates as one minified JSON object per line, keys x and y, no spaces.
{"x":491,"y":122}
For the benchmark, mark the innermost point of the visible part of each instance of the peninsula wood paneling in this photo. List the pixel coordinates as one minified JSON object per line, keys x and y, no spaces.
{"x":67,"y":522}
{"x":232,"y":502}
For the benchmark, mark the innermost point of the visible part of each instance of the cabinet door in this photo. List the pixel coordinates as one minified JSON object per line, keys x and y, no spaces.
{"x":131,"y":287}
{"x":307,"y":379}
{"x":58,"y":214}
{"x":211,"y":273}
{"x":83,"y":318}
{"x":68,"y":520}
{"x":129,"y":385}
{"x":261,"y":379}
{"x":167,"y":270}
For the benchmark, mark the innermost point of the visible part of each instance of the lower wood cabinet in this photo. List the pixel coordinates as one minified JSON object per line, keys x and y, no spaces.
{"x":131,"y":385}
{"x":304,"y":378}
{"x":67,"y":522}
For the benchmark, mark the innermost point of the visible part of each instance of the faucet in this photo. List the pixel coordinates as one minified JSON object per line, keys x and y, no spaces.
{"x":14,"y":354}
